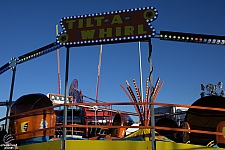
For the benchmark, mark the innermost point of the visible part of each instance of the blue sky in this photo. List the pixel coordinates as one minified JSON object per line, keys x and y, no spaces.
{"x":29,"y":25}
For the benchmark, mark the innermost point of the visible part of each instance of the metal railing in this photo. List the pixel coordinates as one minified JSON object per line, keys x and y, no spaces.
{"x":43,"y":110}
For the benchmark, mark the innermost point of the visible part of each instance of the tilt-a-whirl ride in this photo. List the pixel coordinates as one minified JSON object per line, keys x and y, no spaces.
{"x":68,"y":121}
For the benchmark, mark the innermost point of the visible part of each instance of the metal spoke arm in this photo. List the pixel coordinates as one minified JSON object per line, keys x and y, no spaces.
{"x":31,"y":55}
{"x":4,"y":68}
{"x":39,"y":52}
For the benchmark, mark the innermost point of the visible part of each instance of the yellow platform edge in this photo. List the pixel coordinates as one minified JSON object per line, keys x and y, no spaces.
{"x":113,"y":145}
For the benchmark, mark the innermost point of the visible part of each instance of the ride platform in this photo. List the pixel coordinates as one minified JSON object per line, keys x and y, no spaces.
{"x":112,"y":145}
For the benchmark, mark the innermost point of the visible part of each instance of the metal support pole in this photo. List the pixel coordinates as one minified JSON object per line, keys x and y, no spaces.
{"x":65,"y":99}
{"x":10,"y":100}
{"x":72,"y":120}
{"x":140,"y":67}
{"x":151,"y":98}
{"x":96,"y":109}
